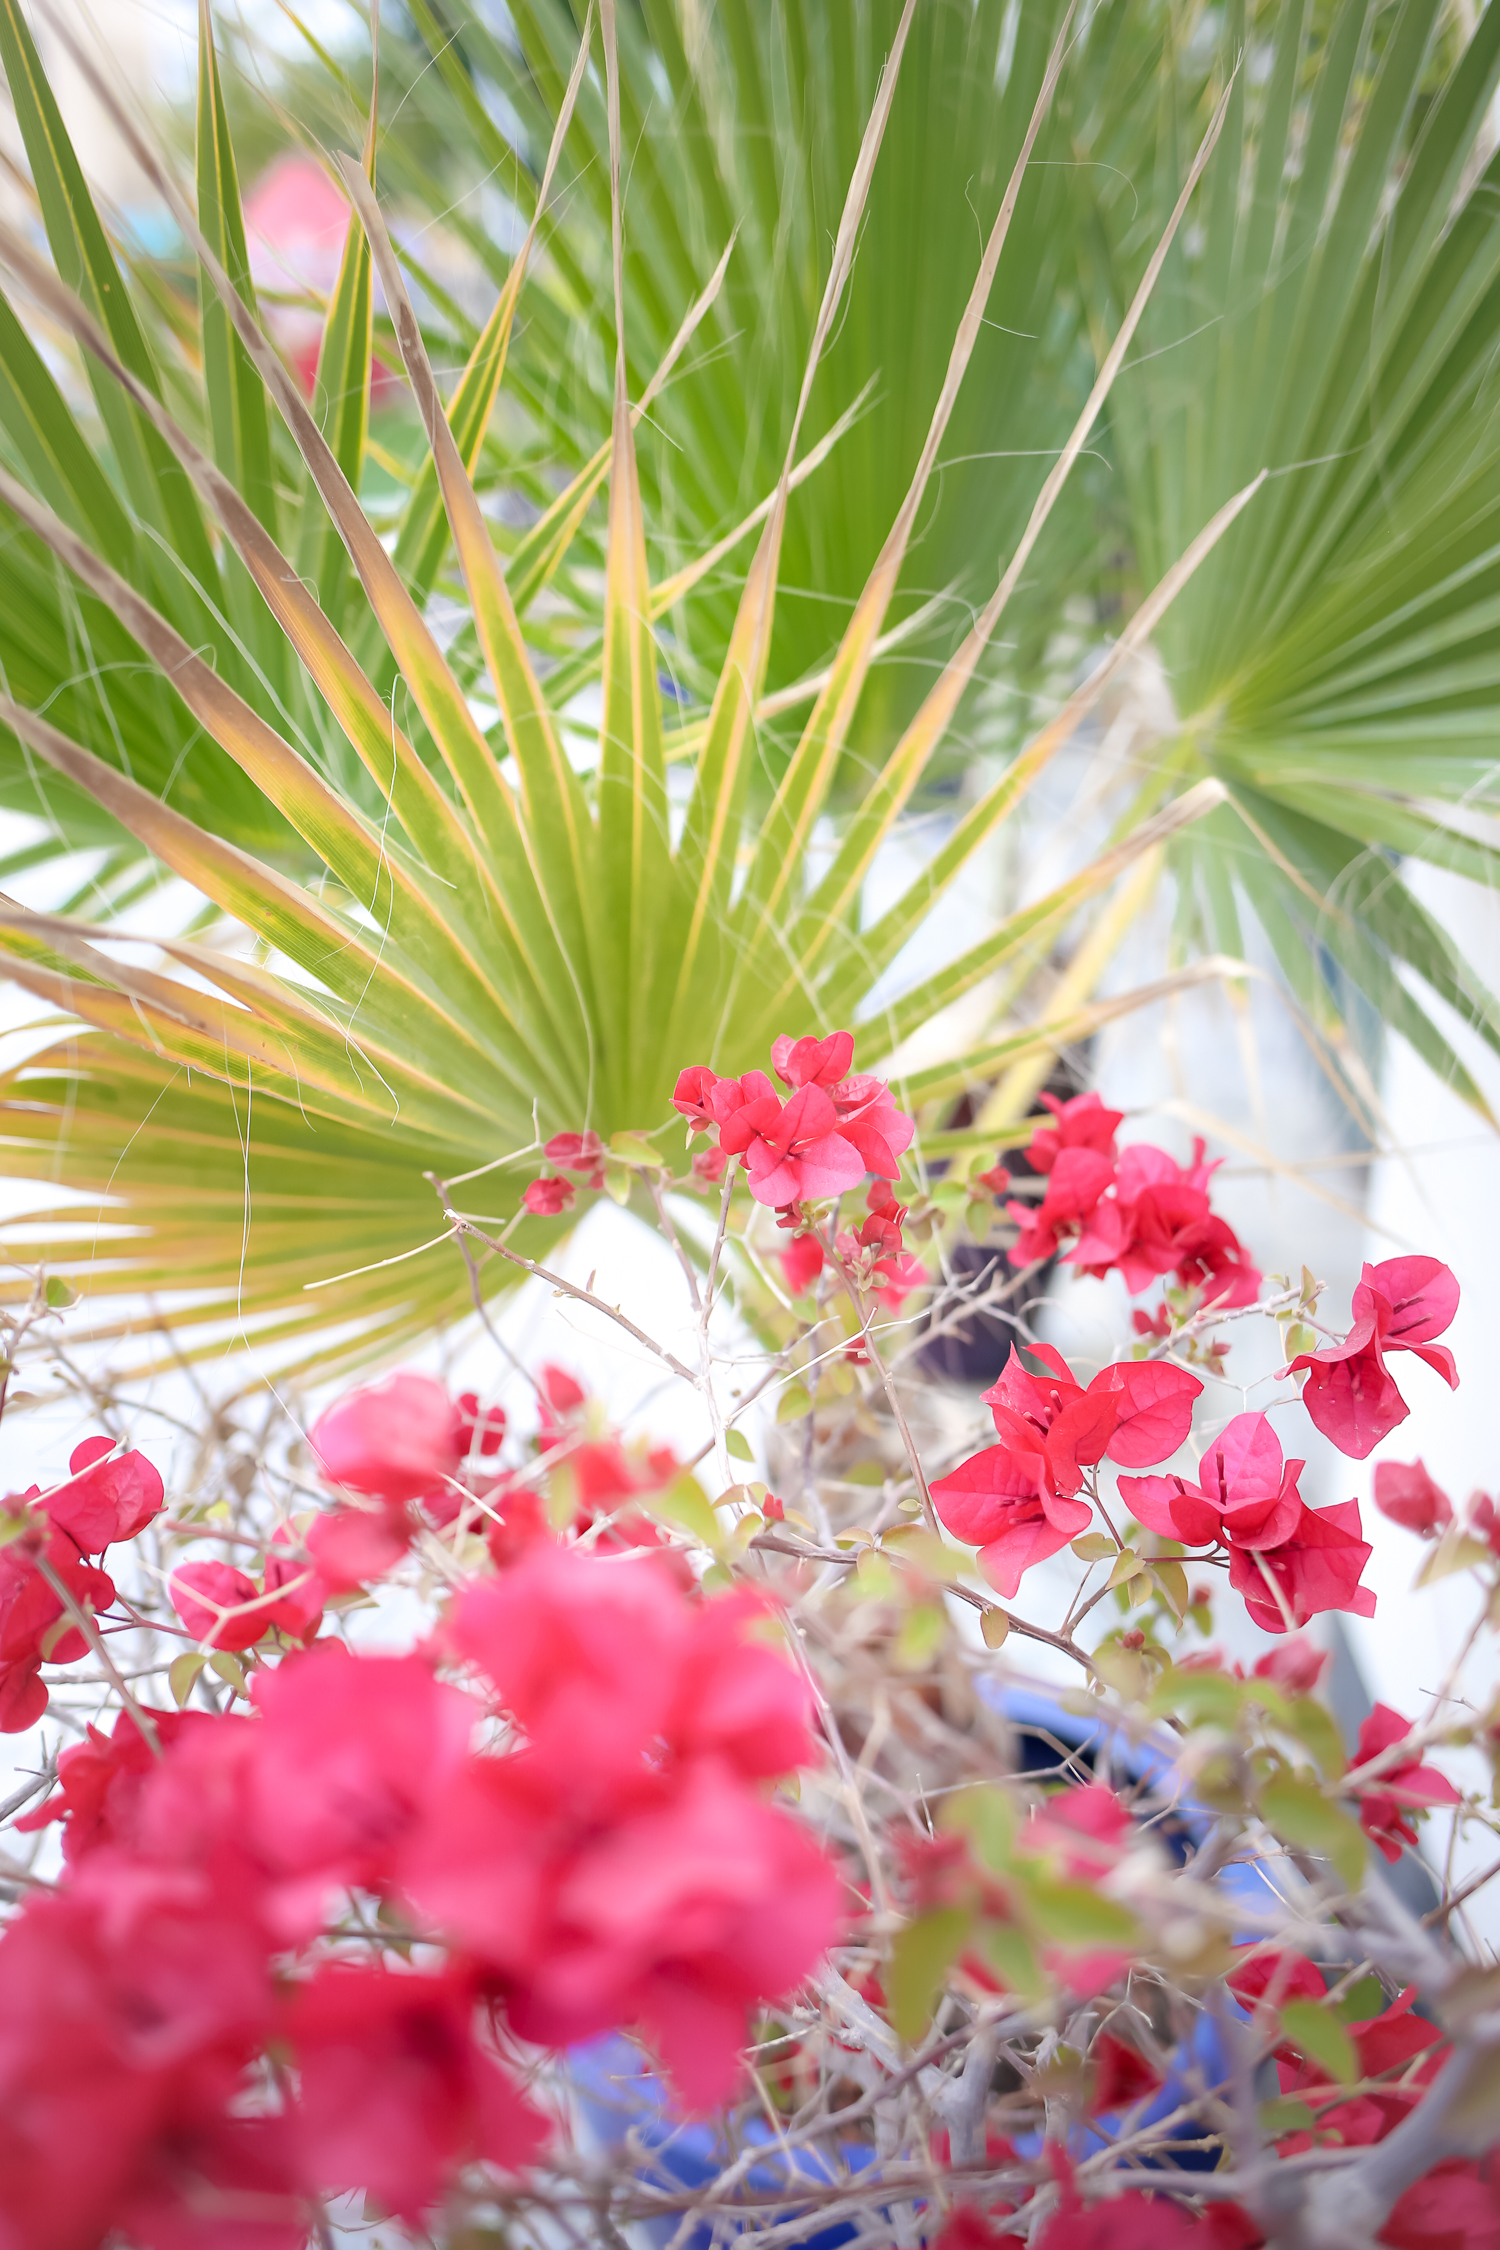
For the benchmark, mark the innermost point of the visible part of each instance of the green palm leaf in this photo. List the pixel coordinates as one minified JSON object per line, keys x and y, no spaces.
{"x":1332,"y":322}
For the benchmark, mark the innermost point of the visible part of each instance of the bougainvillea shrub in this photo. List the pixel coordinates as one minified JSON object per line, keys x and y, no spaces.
{"x":318,"y":1914}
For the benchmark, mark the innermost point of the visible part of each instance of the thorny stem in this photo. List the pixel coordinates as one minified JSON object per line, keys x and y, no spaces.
{"x":898,"y":1414}
{"x":90,"y":1631}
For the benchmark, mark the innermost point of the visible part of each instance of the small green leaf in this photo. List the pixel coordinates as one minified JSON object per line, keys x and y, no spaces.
{"x":994,"y":1624}
{"x":1298,"y":1812}
{"x":182,"y":1672}
{"x":634,"y":1148}
{"x":1206,"y":1698}
{"x":921,"y":1955}
{"x":1283,"y":2116}
{"x":1365,"y":2001}
{"x":1074,"y":1914}
{"x":1172,"y":1579}
{"x":1010,"y":1955}
{"x":1128,"y":1566}
{"x":1454,"y":1551}
{"x":617,"y":1182}
{"x":874,"y":1579}
{"x":59,"y":1296}
{"x":987,"y":1818}
{"x":920,"y":1637}
{"x":230,"y":1670}
{"x":688,"y":1506}
{"x":1316,"y":1729}
{"x":794,"y":1404}
{"x":864,"y":1472}
{"x":738,"y":1445}
{"x":1093,"y":1546}
{"x":1319,"y":2034}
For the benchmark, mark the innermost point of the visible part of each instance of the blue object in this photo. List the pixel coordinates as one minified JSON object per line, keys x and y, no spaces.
{"x":619,"y":2095}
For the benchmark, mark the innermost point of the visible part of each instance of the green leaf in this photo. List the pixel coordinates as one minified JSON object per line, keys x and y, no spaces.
{"x":182,"y":1672}
{"x":922,"y":1953}
{"x":738,"y":1445}
{"x":1298,"y":1812}
{"x":58,"y":1294}
{"x":1094,"y":1546}
{"x":230,"y":1670}
{"x":794,"y":1404}
{"x":924,"y":1628}
{"x":1075,"y":1914}
{"x":686,"y":1505}
{"x":236,"y":395}
{"x":1203,"y":1698}
{"x":1363,"y":2002}
{"x":1284,"y":2115}
{"x":1014,"y":1961}
{"x":1319,"y":2034}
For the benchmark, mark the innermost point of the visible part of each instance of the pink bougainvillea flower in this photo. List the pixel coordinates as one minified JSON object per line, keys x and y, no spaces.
{"x":897,"y":1278}
{"x":548,"y":1198}
{"x":1399,"y":1305}
{"x":1318,"y":1567}
{"x":1297,"y":1666}
{"x":1159,"y":1221}
{"x":793,"y":1152}
{"x":1083,"y":1122}
{"x":993,"y":1182}
{"x":300,"y":1589}
{"x":578,"y":1152}
{"x":1409,"y":1786}
{"x":1245,"y":1495}
{"x":109,"y":1496}
{"x":992,"y":1502}
{"x":353,"y":1547}
{"x":1087,"y":1830}
{"x":393,"y":1441}
{"x":1122,"y":2074}
{"x":1406,"y":1493}
{"x":1455,"y":2206}
{"x":350,"y":1753}
{"x":395,"y":2091}
{"x":693,"y":1097}
{"x":738,"y":1698}
{"x":680,"y":1918}
{"x":868,"y":1116}
{"x":709,"y":1165}
{"x":99,"y":1780}
{"x":801,"y":1263}
{"x":481,"y":1429}
{"x":813,"y":1062}
{"x":584,"y":1651}
{"x":562,"y":1395}
{"x":1077,"y":1178}
{"x":1397,"y":2050}
{"x":1136,"y":1412}
{"x":33,"y":1626}
{"x":1275,"y":1974}
{"x":219,"y":1605}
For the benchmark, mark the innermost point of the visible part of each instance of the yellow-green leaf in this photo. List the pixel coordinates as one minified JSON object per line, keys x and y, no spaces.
{"x":1320,"y":2035}
{"x":921,"y":1956}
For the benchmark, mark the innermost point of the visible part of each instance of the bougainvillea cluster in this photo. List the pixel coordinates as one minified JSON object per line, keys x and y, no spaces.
{"x":729,"y":1779}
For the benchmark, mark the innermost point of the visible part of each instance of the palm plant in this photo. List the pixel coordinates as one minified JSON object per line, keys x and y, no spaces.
{"x":1331,"y":320}
{"x":493,"y":948}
